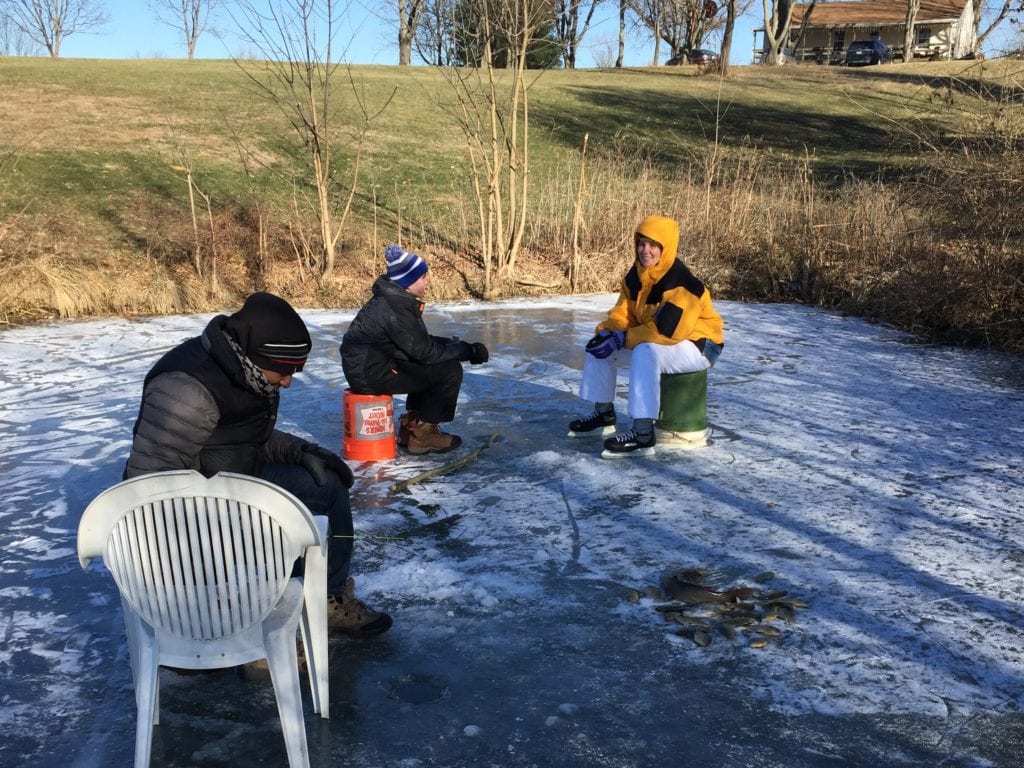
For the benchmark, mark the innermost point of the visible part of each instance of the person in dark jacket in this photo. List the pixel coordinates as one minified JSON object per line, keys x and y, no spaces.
{"x":210,"y":404}
{"x":387,"y":351}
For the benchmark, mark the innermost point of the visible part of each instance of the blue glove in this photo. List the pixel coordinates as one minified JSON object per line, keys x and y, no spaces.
{"x":597,"y":339}
{"x":606,"y":342}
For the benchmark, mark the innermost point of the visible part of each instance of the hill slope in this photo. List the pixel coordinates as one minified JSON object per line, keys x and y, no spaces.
{"x":96,"y":157}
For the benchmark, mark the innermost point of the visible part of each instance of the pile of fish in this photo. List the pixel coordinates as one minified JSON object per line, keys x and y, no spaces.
{"x":738,"y":613}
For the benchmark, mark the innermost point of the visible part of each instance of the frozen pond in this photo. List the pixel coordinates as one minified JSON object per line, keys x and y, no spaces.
{"x":877,"y":482}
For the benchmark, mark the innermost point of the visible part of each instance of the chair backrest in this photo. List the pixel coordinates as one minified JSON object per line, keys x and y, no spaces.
{"x":196,"y":557}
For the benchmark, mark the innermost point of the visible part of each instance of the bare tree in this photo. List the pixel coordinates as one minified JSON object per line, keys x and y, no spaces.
{"x":651,"y":15}
{"x":913,"y":6}
{"x":778,"y":17}
{"x":567,"y":26}
{"x":49,"y":22}
{"x":190,"y":17}
{"x":408,"y":19}
{"x":433,"y":39}
{"x":1008,"y":7}
{"x":295,"y":42}
{"x":493,"y":114}
{"x":14,"y":42}
{"x":730,"y":23}
{"x":623,"y":6}
{"x":682,"y":24}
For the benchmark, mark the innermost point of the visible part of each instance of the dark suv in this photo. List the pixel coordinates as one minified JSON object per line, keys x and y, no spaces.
{"x":696,"y":56}
{"x":864,"y":52}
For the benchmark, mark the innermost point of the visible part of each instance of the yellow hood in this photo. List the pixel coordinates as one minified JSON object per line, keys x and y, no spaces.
{"x":663,"y":231}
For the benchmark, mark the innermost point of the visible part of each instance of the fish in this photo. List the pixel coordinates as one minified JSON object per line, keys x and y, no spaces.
{"x":786,"y":613}
{"x":765,"y":630}
{"x":774,"y":595}
{"x":633,"y":596}
{"x":695,"y":594}
{"x":702,"y":638}
{"x":758,"y":642}
{"x":739,"y":609}
{"x":761,"y":578}
{"x":726,"y":630}
{"x":771,"y":614}
{"x":739,"y":621}
{"x":654,"y":593}
{"x":693,"y":575}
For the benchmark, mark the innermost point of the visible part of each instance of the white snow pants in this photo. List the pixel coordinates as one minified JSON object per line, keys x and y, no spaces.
{"x":646,"y":364}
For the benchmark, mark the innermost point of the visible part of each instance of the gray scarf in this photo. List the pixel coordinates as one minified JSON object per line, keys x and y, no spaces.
{"x":254,"y":378}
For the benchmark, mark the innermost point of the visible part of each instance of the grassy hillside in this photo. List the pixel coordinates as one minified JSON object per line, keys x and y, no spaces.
{"x":816,"y":183}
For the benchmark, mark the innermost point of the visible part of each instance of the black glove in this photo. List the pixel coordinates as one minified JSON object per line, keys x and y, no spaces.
{"x":319,"y":461}
{"x":478,"y":353}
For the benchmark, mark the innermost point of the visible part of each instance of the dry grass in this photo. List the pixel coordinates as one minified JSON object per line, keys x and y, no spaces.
{"x":912,"y":216}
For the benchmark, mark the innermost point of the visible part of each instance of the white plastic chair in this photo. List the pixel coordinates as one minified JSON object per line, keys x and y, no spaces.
{"x":204,"y":571}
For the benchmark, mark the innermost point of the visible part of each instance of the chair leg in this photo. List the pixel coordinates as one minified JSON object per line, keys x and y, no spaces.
{"x":314,"y":624}
{"x":284,"y":674}
{"x":146,"y":684}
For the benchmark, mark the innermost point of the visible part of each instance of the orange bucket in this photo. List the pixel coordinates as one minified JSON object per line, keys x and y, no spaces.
{"x":369,"y":427}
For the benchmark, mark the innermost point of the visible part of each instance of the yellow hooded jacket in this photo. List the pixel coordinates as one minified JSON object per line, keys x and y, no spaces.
{"x":664,"y":303}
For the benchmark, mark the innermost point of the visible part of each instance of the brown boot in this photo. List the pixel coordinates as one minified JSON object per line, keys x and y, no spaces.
{"x":403,"y":429}
{"x":261,"y":665}
{"x":353,"y":617}
{"x":425,"y":437}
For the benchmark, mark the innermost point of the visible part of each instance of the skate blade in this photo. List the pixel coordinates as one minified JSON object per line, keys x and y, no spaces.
{"x":638,"y":453}
{"x":602,"y":432}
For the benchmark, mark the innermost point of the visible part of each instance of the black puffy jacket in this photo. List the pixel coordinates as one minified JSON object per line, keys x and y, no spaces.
{"x":197,"y":413}
{"x":389,"y":328}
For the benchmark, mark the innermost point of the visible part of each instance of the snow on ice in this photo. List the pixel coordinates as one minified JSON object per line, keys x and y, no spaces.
{"x":879,"y":479}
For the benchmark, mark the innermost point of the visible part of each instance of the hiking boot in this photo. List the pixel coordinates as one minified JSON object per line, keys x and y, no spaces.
{"x":350,"y":616}
{"x":425,"y":437}
{"x":261,"y":665}
{"x":597,"y":423}
{"x":403,"y":429}
{"x":628,"y":445}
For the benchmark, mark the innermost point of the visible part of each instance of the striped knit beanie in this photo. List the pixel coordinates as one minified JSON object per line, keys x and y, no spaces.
{"x":271,"y":333}
{"x":404,"y":267}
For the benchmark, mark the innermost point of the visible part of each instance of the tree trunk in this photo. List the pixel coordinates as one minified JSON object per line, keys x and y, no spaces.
{"x":730,"y":23}
{"x":622,"y":34}
{"x":408,"y":18}
{"x":778,"y":16}
{"x":913,"y":6}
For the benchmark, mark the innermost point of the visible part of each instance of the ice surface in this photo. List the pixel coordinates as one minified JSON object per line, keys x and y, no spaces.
{"x":880,"y":480}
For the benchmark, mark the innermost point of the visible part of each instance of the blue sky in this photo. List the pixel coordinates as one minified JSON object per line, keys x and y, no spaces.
{"x":134,"y":32}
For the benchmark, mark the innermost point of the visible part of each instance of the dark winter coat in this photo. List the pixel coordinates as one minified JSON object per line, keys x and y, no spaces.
{"x":198,"y":413}
{"x":388,"y":329}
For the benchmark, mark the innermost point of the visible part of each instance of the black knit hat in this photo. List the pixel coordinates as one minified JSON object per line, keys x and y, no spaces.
{"x":271,"y":333}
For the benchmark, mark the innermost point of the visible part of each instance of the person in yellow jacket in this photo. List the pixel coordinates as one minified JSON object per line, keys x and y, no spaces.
{"x":663,"y":322}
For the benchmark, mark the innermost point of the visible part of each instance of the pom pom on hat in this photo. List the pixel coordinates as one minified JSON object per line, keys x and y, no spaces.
{"x":271,"y":333}
{"x":404,"y":267}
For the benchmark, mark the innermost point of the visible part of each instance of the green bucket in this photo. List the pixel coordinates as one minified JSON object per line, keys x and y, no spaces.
{"x":684,"y":402}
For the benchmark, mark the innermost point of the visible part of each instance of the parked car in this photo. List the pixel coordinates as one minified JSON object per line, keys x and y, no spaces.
{"x":696,"y":56}
{"x":864,"y":52}
{"x":702,"y":56}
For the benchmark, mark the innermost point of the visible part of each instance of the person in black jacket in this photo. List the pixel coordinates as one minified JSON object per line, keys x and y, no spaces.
{"x":387,"y":351}
{"x":210,"y":404}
